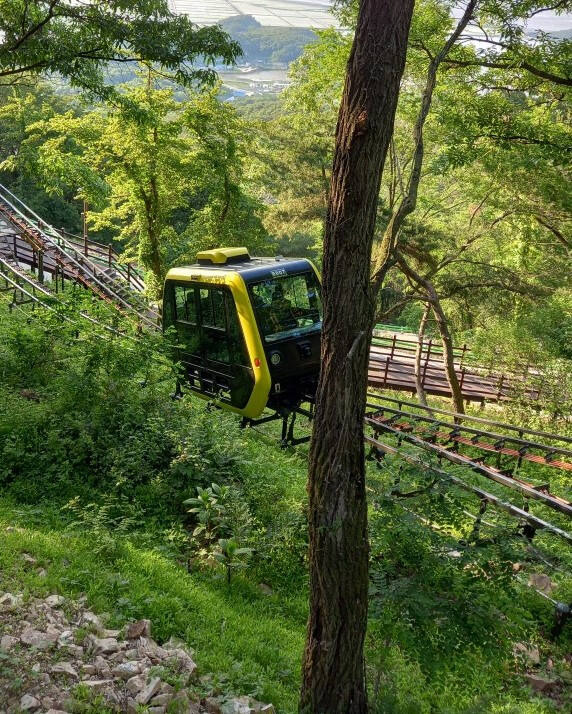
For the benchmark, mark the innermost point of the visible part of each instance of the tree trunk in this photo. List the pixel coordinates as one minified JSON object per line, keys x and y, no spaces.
{"x":408,"y":201}
{"x":333,"y":668}
{"x":421,"y":396}
{"x":448,"y":356}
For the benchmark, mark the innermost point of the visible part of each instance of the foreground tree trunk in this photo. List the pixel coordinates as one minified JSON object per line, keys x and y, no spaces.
{"x":333,"y":668}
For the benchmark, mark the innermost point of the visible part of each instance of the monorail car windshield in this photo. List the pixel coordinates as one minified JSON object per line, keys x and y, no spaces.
{"x":248,"y":329}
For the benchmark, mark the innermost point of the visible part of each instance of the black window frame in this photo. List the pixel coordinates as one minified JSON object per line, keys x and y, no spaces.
{"x":199,"y":324}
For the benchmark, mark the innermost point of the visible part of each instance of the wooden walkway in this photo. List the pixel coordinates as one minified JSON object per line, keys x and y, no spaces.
{"x":392,"y":366}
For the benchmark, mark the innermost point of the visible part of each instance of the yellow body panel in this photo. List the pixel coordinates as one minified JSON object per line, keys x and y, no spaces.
{"x":219,"y":256}
{"x":262,"y":380}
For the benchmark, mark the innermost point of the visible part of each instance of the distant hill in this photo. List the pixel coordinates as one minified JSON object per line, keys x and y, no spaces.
{"x":264,"y":44}
{"x":558,"y":34}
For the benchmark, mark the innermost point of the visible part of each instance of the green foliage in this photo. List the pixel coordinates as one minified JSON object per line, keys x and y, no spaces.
{"x":77,"y":41}
{"x":230,"y":555}
{"x":266,"y":45}
{"x":167,"y":182}
{"x":95,"y":475}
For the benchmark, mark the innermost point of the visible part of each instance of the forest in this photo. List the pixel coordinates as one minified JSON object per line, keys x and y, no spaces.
{"x":412,"y":553}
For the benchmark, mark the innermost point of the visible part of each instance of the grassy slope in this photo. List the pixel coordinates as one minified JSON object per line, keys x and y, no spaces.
{"x":253,"y":639}
{"x":438,"y":637}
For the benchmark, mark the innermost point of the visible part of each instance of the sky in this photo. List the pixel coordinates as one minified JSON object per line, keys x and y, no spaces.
{"x":305,"y":13}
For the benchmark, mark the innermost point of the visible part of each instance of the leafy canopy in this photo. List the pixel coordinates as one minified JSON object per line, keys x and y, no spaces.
{"x":78,"y":39}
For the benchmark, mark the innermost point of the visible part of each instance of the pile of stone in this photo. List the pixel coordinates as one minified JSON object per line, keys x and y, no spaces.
{"x":55,"y":652}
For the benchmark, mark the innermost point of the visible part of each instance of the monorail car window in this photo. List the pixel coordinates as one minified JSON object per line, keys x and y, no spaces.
{"x":185,"y":304}
{"x":287,"y":306}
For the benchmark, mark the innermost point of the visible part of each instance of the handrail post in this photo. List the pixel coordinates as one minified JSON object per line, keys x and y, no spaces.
{"x":129,"y":274}
{"x":110,"y":256}
{"x":85,"y":241}
{"x":386,"y":370}
{"x":501,"y":381}
{"x":393,"y":345}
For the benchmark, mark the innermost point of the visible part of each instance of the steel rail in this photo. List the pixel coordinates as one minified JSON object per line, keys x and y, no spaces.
{"x":459,"y":427}
{"x":47,"y":293}
{"x":40,"y":221}
{"x":85,"y":265}
{"x":468,"y":417}
{"x":526,"y":489}
{"x":534,"y":521}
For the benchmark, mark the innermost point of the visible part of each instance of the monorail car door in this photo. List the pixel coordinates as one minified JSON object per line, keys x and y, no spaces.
{"x":211,"y":346}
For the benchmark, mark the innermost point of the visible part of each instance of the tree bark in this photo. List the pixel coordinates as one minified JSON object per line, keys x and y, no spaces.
{"x":448,"y":355}
{"x":333,"y":667}
{"x":446,"y":339}
{"x":421,"y":396}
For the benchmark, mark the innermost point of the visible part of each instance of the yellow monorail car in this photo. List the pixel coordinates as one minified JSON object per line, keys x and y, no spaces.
{"x":248,"y":329}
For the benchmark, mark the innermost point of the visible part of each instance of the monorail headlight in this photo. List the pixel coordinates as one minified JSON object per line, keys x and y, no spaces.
{"x":276,"y":358}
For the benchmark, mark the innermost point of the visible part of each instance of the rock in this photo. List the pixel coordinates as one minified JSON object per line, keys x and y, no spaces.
{"x":65,"y":635}
{"x":167,"y":688}
{"x":89,"y":669}
{"x":126,"y":670}
{"x":36,"y":667}
{"x":266,"y":589}
{"x":237,"y":705}
{"x":9,"y":602}
{"x":212,"y":706}
{"x":256,"y":707}
{"x":132,"y":706}
{"x":184,"y":662}
{"x":111,"y":633}
{"x":104,"y":645}
{"x":42,"y":573}
{"x":541,"y":582}
{"x":29,"y":703}
{"x":141,"y":628}
{"x":89,"y":618}
{"x":146,"y":647}
{"x":181,"y":704}
{"x":54,"y":600}
{"x":454,"y":553}
{"x":539,"y":684}
{"x":75,"y":650}
{"x":150,"y":690}
{"x":135,"y":684}
{"x":56,"y":711}
{"x":161,"y":700}
{"x":156,"y":710}
{"x":97,"y":685}
{"x":27,"y":558}
{"x":7,"y":642}
{"x":40,"y":640}
{"x":532,"y":654}
{"x":131,"y":654}
{"x":64,"y":668}
{"x":44,"y":678}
